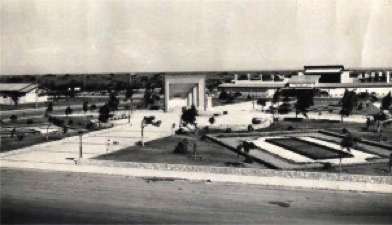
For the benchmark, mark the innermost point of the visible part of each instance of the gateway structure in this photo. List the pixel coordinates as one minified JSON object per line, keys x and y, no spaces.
{"x":185,"y":86}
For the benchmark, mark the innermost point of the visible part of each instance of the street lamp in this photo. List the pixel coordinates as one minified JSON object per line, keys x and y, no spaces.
{"x":80,"y":133}
{"x":146,"y":121}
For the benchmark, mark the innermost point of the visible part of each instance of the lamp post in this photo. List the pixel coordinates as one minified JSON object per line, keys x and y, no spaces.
{"x":80,"y":133}
{"x":146,"y":121}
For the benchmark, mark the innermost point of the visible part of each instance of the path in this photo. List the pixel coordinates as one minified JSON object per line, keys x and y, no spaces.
{"x":95,"y":143}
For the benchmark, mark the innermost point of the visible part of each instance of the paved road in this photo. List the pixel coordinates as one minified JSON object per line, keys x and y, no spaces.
{"x":37,"y":196}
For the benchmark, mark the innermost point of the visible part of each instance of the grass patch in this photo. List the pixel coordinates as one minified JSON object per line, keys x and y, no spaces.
{"x":8,"y":144}
{"x":160,"y":151}
{"x":308,"y":149}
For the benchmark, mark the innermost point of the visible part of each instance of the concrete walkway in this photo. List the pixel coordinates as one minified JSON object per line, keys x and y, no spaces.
{"x":95,"y":143}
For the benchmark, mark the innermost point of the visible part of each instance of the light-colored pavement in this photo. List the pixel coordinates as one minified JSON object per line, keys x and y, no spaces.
{"x":45,"y":197}
{"x":95,"y":143}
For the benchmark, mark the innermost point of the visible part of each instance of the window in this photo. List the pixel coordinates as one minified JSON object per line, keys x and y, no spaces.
{"x":353,"y":74}
{"x":243,"y":77}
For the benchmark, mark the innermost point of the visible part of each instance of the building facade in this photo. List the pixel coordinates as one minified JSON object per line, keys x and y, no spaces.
{"x":28,"y":92}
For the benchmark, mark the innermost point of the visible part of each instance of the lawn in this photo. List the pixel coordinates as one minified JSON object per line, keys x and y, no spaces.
{"x":308,"y":149}
{"x":9,"y":144}
{"x":377,"y":169}
{"x":357,"y":129}
{"x":160,"y":151}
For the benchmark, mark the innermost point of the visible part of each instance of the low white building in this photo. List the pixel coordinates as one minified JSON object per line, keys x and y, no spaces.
{"x":28,"y":92}
{"x":331,"y":79}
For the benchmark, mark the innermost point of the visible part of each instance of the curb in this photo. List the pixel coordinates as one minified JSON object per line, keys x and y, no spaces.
{"x":290,"y":179}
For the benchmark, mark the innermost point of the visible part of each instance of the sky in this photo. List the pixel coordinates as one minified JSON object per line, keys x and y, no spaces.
{"x":97,"y":36}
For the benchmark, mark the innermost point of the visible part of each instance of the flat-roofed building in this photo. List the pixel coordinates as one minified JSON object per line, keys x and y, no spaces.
{"x":27,"y":93}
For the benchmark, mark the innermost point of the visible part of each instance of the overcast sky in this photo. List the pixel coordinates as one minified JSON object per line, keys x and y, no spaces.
{"x":65,"y":36}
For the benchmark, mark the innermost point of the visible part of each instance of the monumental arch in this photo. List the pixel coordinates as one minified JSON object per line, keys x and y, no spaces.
{"x":189,"y":86}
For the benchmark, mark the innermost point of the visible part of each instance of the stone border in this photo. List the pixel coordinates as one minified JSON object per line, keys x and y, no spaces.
{"x":264,"y":134}
{"x":267,"y":173}
{"x":334,"y":134}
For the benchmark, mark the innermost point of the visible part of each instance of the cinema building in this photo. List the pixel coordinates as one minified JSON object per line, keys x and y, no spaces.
{"x":330,"y":80}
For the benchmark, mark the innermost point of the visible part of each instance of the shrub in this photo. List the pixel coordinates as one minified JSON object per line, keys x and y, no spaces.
{"x":21,"y":136}
{"x":290,"y":128}
{"x":13,"y":118}
{"x":29,"y":121}
{"x":250,"y":128}
{"x":327,"y":166}
{"x":68,"y":111}
{"x":373,"y":98}
{"x":211,"y":120}
{"x":182,"y":131}
{"x":228,"y":130}
{"x":293,"y":119}
{"x":89,"y":125}
{"x":154,"y":107}
{"x":225,"y":112}
{"x":248,"y":159}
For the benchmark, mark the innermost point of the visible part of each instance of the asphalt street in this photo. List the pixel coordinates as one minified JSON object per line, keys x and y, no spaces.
{"x":39,"y":196}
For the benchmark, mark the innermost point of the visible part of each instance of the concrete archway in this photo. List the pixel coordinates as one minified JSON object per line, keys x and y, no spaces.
{"x":190,"y":87}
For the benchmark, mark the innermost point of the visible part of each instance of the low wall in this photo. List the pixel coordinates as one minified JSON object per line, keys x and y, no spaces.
{"x":314,"y":176}
{"x":264,"y":134}
{"x":360,"y":141}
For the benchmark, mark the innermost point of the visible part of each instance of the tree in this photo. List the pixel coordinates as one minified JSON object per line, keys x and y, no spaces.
{"x":210,"y":88}
{"x":211,"y":120}
{"x":261,"y":102}
{"x":349,"y":100}
{"x":113,"y":102}
{"x":13,"y":118}
{"x":276,"y":97}
{"x":304,"y":101}
{"x":85,"y":108}
{"x":49,"y":108}
{"x":93,"y":107}
{"x":381,"y":116}
{"x":148,"y":120}
{"x":129,"y":93}
{"x":47,"y":128}
{"x":189,"y":116}
{"x":386,"y":101}
{"x":68,"y":111}
{"x":104,"y":114}
{"x":223,"y":95}
{"x":15,"y":97}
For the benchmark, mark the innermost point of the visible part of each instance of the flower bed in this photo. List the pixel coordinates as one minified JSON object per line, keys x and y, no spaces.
{"x":308,"y":149}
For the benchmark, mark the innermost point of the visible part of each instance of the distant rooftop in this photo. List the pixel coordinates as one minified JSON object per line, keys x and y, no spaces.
{"x":19,"y":87}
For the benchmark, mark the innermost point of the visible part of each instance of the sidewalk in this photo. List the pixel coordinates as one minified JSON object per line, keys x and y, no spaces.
{"x":95,"y":143}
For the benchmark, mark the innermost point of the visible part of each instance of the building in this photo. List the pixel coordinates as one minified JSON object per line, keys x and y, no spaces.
{"x":27,"y":93}
{"x":328,"y":79}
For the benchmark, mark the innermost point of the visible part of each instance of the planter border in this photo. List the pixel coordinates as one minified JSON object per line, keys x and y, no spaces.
{"x":292,"y":174}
